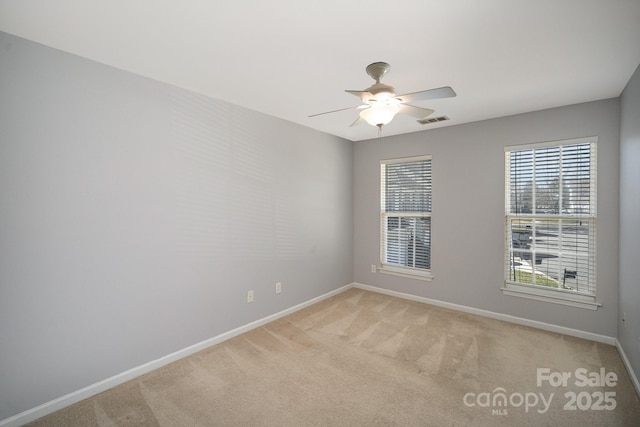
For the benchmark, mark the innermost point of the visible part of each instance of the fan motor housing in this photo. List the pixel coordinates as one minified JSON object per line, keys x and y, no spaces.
{"x":380,"y":88}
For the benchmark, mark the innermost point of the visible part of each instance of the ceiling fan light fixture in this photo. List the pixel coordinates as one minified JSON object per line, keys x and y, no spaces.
{"x":380,"y":104}
{"x":379,"y":113}
{"x":384,"y":96}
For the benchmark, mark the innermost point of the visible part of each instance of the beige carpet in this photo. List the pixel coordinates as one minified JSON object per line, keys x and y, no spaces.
{"x":366,"y":359}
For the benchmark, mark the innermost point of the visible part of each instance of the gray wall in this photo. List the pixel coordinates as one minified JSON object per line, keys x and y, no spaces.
{"x":468,"y":210}
{"x":134,"y":217}
{"x":629,"y":333}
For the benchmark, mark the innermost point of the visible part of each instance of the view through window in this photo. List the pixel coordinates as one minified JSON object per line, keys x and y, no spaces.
{"x":406,"y":215}
{"x":551,"y":216}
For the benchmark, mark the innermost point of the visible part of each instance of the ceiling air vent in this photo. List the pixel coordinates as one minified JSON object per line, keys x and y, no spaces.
{"x":432,"y":120}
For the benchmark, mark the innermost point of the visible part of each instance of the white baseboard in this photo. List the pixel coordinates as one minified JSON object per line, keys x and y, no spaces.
{"x":627,"y":364}
{"x":493,"y":315}
{"x":84,"y":393}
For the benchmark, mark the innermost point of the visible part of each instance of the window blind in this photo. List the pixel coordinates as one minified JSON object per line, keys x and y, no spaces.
{"x":406,"y":212}
{"x":551,"y":216}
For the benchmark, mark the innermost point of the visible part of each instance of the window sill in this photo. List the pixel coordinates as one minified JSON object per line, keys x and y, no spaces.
{"x":550,"y":295}
{"x":411,"y":273}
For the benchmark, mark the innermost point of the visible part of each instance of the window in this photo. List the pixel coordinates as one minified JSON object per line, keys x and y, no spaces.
{"x":550,"y":222}
{"x":405,"y":217}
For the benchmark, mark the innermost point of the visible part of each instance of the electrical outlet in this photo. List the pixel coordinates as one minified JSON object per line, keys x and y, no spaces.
{"x":250,"y":296}
{"x":374,"y":269}
{"x":278,"y":287}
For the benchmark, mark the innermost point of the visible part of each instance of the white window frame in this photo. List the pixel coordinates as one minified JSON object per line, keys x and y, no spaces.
{"x":539,"y":292}
{"x":395,"y":269}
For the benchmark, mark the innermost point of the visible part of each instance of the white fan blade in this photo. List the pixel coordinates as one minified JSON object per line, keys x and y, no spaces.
{"x":441,"y":92}
{"x":334,"y":111}
{"x":357,"y":122}
{"x":362,"y":94}
{"x":359,"y":107}
{"x":414,"y":111}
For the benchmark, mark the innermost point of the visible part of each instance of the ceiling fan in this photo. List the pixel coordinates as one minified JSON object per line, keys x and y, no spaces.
{"x":380,"y":103}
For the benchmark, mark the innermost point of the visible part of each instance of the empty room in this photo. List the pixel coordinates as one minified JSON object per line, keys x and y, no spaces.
{"x":336,"y":213}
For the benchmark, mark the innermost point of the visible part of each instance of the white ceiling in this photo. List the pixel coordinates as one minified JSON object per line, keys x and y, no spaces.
{"x":293,"y":58}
